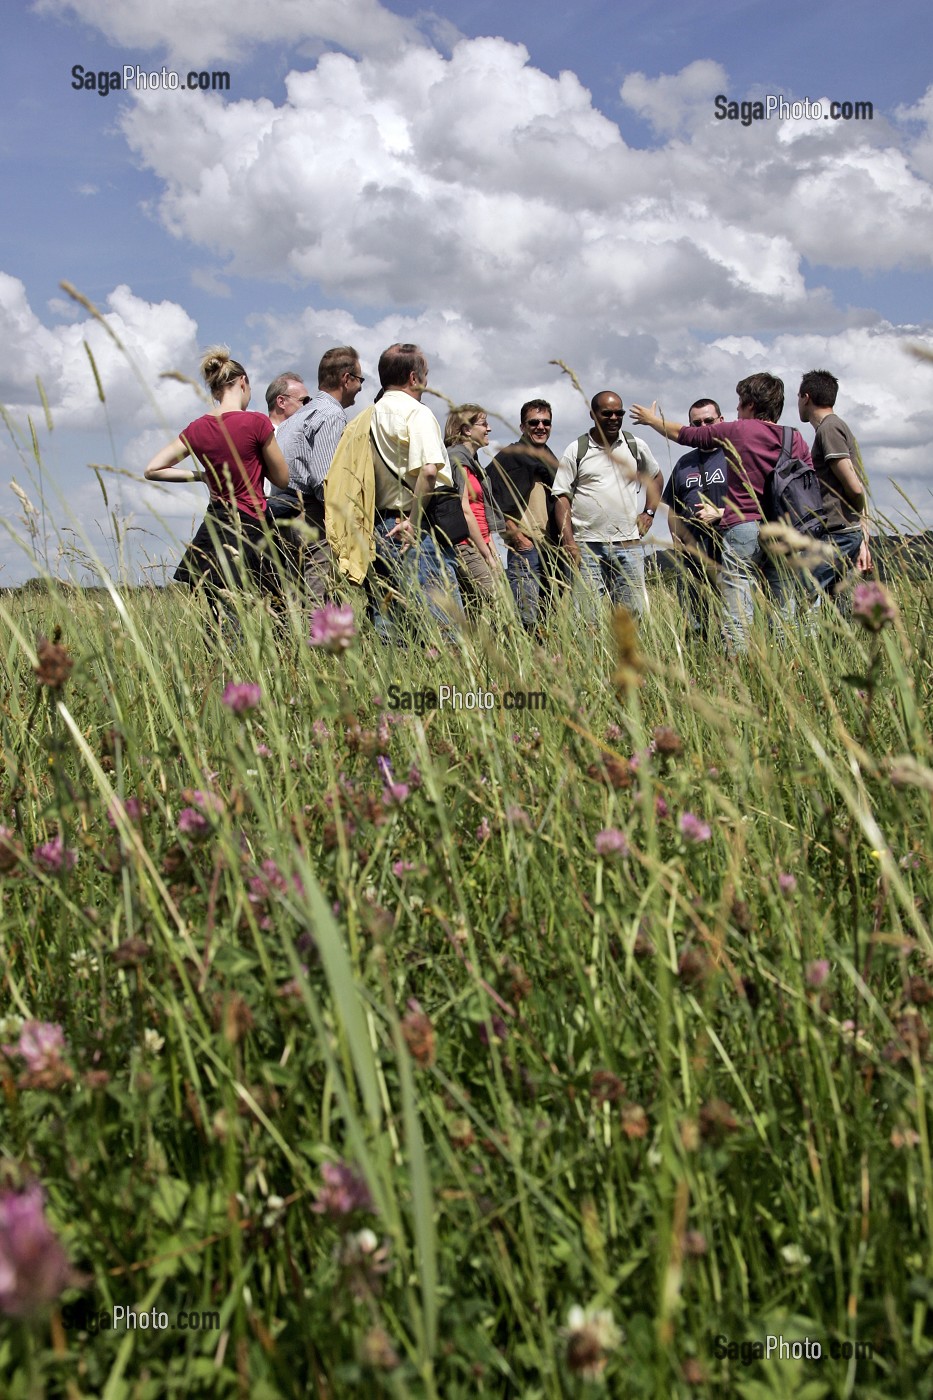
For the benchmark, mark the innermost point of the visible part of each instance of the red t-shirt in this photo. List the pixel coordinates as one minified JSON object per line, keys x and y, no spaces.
{"x":477,"y":504}
{"x":758,"y":445}
{"x":229,"y":446}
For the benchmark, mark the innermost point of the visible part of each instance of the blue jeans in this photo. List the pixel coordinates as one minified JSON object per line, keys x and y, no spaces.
{"x":745,"y":566}
{"x":847,"y":544}
{"x":426,"y":570}
{"x":524,"y":575}
{"x":617,"y":572}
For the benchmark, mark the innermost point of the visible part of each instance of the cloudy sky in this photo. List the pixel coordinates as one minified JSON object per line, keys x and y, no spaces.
{"x":504,"y":184}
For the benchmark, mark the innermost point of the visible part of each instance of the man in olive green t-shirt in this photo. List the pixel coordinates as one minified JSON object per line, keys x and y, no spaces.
{"x":838,"y":468}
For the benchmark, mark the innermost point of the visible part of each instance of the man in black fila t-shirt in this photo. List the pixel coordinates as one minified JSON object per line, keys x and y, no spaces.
{"x":698,"y":477}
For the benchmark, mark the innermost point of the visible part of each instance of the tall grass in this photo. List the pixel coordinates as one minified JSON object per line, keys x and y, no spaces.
{"x":687,"y":1086}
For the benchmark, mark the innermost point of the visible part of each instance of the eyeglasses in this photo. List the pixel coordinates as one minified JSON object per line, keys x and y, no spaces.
{"x":537,"y":422}
{"x":302,"y":401}
{"x":702,"y":422}
{"x":611,"y":412}
{"x":353,"y":375}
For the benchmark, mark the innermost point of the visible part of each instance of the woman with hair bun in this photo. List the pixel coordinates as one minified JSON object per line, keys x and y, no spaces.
{"x":235,"y":451}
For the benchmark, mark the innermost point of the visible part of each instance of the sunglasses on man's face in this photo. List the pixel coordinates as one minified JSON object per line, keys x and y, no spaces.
{"x":537,"y":422}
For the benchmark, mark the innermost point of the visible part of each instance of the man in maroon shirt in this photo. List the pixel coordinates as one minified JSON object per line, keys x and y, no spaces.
{"x":753,"y":446}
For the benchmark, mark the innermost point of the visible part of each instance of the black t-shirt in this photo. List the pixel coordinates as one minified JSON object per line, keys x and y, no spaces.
{"x":698,"y":474}
{"x":515,"y":470}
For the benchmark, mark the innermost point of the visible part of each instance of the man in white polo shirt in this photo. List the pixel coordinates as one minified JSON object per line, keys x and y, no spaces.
{"x":607,"y":490}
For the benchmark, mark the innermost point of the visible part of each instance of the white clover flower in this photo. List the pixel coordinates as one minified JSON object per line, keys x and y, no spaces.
{"x":153,"y":1041}
{"x":83,"y":964}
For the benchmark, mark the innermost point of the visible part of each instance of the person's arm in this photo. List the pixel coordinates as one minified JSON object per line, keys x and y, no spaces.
{"x":163,"y":466}
{"x":651,"y":418}
{"x":562,"y":512}
{"x":653,"y":485}
{"x":275,"y":464}
{"x":843,"y":469}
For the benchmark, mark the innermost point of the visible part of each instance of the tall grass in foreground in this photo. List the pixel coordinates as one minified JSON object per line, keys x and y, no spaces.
{"x":477,"y":1051}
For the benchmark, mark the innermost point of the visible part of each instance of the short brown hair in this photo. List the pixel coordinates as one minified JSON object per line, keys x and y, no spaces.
{"x":399,"y":362}
{"x":539,"y":404}
{"x":764,"y":394}
{"x":335,"y":364}
{"x":821,"y":386}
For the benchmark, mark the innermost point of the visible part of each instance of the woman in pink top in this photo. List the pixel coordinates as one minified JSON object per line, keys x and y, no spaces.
{"x":235,"y":452}
{"x":478,"y":567}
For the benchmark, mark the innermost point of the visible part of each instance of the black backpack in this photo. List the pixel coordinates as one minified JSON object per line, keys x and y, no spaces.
{"x":792,"y":492}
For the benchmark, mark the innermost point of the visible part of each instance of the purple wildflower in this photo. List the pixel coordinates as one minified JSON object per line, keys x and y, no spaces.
{"x":787,"y":883}
{"x":693,"y":829}
{"x":332,"y":627}
{"x":193,"y":823}
{"x":873,"y":606}
{"x":402,"y":867}
{"x":394,"y":794}
{"x":662,"y":811}
{"x":263,"y":751}
{"x":613,"y":733}
{"x":343,"y":1192}
{"x":54,"y":857}
{"x":40,"y":1046}
{"x":817,"y":973}
{"x":611,"y":842}
{"x":483,"y":831}
{"x":242,"y":697}
{"x":134,"y":809}
{"x":33,"y":1266}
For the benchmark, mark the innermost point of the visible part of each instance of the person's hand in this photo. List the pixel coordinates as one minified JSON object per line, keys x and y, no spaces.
{"x":708,"y":514}
{"x":645,"y":417}
{"x":404,"y":531}
{"x":864,"y":563}
{"x":645,"y":522}
{"x":520,"y":542}
{"x":572,"y":550}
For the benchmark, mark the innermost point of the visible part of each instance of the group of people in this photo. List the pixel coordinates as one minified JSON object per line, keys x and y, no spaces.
{"x":389,"y":502}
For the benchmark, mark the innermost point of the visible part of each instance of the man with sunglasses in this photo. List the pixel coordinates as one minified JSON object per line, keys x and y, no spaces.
{"x":308,"y":439}
{"x":521,"y":476}
{"x":607,"y":490}
{"x":284,"y":396}
{"x":698,"y":479}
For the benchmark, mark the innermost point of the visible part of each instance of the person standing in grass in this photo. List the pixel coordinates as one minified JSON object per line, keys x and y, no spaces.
{"x":522,"y":475}
{"x":478,"y":567}
{"x":753,"y":447}
{"x":845,"y":504}
{"x":410,"y":462}
{"x":698,"y":478}
{"x":607,"y":490}
{"x":234,"y":452}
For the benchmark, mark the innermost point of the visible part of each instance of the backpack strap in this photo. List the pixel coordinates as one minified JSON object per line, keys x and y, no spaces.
{"x":583,"y":444}
{"x":632,"y":446}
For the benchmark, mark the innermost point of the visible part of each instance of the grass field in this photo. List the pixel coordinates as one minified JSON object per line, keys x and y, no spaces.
{"x":509,"y":1052}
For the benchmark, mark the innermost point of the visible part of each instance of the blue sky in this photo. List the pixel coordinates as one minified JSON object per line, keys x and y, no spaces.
{"x":378,"y":171}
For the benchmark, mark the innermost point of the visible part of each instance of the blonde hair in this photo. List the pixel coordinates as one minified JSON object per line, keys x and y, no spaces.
{"x":459,"y":419}
{"x":219,"y":369}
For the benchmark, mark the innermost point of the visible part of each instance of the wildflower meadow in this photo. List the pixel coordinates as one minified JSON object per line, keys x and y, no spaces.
{"x":353,"y":1046}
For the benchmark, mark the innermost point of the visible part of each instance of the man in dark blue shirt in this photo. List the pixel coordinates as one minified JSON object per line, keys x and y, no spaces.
{"x":699,"y":477}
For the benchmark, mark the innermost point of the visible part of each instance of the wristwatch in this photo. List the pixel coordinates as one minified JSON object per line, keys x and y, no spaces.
{"x":649,"y":513}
